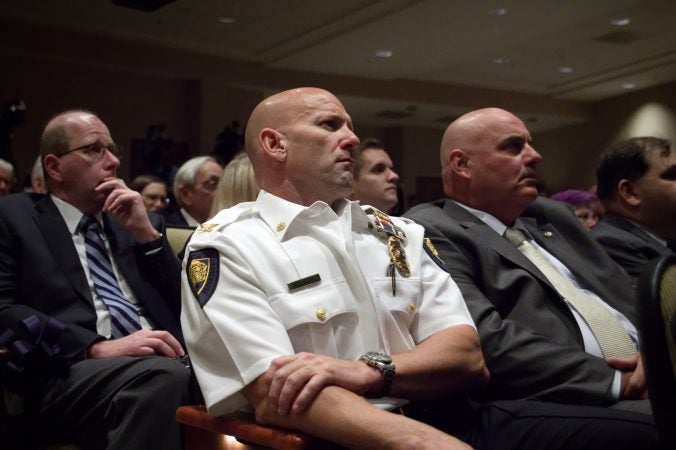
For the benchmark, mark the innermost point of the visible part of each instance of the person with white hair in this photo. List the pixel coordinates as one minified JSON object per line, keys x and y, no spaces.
{"x":194,"y":186}
{"x":7,"y":179}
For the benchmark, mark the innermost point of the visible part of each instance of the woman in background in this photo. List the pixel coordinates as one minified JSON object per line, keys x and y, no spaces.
{"x":153,"y":191}
{"x":585,"y":205}
{"x":237,"y":184}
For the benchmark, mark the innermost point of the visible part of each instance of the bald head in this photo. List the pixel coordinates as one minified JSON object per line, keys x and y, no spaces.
{"x":55,"y":135}
{"x":488,"y":163}
{"x":468,"y":130}
{"x":300,"y":144}
{"x":78,"y":154}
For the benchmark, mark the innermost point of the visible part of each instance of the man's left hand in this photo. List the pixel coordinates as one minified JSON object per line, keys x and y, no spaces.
{"x":633,"y":384}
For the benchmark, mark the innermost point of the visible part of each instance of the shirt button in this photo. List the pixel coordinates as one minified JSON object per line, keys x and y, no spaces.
{"x":411,"y":307}
{"x":321,"y":314}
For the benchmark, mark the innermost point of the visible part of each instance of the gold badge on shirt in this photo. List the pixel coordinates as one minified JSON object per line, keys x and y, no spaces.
{"x":396,"y":238}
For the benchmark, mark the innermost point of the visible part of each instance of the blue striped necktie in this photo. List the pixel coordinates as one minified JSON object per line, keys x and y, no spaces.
{"x":124,"y":316}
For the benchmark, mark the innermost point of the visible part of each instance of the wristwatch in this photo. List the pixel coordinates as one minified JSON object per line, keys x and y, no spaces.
{"x":382,"y":362}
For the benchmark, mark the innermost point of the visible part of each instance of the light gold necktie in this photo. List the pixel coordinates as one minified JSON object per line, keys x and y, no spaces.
{"x":609,"y":332}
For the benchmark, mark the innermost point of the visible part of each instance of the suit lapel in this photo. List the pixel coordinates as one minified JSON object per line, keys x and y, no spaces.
{"x":490,"y":239}
{"x":628,"y":226}
{"x":60,"y":243}
{"x":549,"y":238}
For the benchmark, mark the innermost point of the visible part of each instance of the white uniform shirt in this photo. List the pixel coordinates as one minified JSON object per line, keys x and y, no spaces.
{"x":253,"y":316}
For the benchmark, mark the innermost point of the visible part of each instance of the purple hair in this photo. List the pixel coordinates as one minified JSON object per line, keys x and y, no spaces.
{"x":575,"y":197}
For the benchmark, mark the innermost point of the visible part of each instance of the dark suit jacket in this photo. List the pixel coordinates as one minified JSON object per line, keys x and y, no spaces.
{"x":630,"y":246}
{"x":41,"y":274}
{"x":531,"y":342}
{"x":172,"y":216}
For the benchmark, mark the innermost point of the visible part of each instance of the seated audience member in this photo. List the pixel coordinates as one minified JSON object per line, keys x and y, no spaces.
{"x":375,"y":181}
{"x":7,"y":178}
{"x":584,"y":204}
{"x":194,"y":186}
{"x":294,"y":304}
{"x":637,"y":185}
{"x":532,"y":314}
{"x":38,"y":177}
{"x":237,"y":185}
{"x":90,"y":300}
{"x":153,"y":191}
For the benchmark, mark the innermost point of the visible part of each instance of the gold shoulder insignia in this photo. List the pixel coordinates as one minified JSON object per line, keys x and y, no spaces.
{"x":433,"y":252}
{"x":207,"y":226}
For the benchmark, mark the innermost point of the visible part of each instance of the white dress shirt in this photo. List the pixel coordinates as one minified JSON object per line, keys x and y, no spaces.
{"x":72,"y":216}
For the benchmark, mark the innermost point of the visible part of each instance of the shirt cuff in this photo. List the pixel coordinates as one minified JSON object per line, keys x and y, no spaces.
{"x":152,"y":247}
{"x":617,"y":384}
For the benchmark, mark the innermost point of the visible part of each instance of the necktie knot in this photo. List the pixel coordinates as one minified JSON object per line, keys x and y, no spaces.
{"x":88,"y":222}
{"x":515,"y":236}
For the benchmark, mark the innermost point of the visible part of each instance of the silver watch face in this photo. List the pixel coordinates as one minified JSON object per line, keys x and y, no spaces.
{"x":379,"y":357}
{"x":383,"y":362}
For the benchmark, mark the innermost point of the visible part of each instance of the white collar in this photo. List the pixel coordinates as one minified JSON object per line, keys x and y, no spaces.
{"x":493,"y":222}
{"x":71,"y":215}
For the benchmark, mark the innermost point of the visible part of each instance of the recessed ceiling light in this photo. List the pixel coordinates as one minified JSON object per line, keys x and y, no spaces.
{"x":226,"y":19}
{"x":497,"y":12}
{"x":621,"y":21}
{"x":566,"y":69}
{"x":628,"y":85}
{"x":501,"y":60}
{"x":384,"y":53}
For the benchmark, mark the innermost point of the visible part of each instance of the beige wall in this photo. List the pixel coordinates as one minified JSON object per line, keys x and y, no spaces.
{"x":571,"y":153}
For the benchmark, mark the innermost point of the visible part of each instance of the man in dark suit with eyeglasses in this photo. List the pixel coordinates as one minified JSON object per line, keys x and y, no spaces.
{"x":90,"y":312}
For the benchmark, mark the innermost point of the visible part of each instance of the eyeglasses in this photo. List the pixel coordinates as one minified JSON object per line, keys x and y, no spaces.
{"x":155,"y":198}
{"x":94,"y":152}
{"x":210,"y":185}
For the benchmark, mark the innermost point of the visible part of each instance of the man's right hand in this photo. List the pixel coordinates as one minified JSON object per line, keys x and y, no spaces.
{"x":140,"y":343}
{"x":295,"y":380}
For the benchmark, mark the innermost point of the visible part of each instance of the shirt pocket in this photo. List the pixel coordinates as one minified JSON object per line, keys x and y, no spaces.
{"x":314,"y":305}
{"x":404,"y":303}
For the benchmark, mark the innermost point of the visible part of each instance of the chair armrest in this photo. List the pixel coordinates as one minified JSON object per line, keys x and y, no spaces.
{"x":244,"y":428}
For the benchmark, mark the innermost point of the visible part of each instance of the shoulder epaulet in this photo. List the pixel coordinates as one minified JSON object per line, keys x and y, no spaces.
{"x":225,"y":217}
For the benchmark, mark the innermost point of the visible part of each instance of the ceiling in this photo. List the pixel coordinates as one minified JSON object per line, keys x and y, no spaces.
{"x":460,"y":49}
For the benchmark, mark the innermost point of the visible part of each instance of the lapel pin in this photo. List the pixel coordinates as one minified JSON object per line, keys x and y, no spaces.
{"x":548,"y":234}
